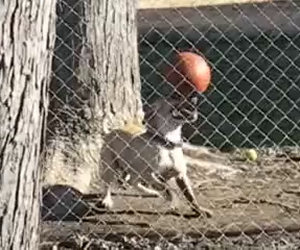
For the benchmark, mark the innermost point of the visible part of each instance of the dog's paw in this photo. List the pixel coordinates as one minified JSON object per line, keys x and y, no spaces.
{"x":108,"y":202}
{"x":174,"y":209}
{"x":201,"y":211}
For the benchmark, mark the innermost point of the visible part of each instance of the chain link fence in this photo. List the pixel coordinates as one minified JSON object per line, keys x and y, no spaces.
{"x":252,"y":103}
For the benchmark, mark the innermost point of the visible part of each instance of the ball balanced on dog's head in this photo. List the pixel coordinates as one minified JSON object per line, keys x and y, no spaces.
{"x":189,"y":74}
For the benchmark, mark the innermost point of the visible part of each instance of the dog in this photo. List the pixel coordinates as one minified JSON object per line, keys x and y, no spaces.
{"x":149,"y":160}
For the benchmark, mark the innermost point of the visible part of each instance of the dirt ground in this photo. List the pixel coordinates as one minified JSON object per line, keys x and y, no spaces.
{"x":254,"y":204}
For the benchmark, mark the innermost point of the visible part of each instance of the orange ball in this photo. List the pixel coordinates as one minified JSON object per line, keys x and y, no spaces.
{"x":191,"y":72}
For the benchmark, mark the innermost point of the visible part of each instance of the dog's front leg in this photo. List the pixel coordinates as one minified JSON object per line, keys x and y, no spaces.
{"x":184,"y":184}
{"x":107,"y":201}
{"x":161,"y":180}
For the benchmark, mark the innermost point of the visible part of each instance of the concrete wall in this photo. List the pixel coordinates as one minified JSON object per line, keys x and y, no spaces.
{"x":254,"y":52}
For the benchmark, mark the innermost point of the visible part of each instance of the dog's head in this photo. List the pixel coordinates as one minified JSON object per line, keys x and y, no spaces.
{"x":184,"y":110}
{"x":167,"y":115}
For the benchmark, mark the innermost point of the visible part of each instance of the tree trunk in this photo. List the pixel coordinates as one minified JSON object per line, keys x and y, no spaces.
{"x":112,"y":35}
{"x":96,"y":67}
{"x":27,"y":36}
{"x":96,"y":85}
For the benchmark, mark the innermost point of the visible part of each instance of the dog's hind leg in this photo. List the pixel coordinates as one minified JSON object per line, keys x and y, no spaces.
{"x":109,"y":177}
{"x":147,"y":190}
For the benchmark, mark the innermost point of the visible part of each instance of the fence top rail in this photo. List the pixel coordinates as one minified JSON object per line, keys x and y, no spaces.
{"x":247,"y":18}
{"x":149,"y":4}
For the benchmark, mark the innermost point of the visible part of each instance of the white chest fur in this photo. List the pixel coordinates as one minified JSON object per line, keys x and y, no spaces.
{"x":173,"y":158}
{"x":175,"y":135}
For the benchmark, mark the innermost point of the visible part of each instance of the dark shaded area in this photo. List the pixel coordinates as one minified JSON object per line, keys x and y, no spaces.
{"x":254,"y":53}
{"x":63,"y":203}
{"x":68,"y":95}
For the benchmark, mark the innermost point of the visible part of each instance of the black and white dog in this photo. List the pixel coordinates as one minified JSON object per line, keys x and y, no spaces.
{"x":147,"y":161}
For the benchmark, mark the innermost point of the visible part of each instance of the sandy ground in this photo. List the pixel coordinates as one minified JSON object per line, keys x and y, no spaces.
{"x":253,"y":203}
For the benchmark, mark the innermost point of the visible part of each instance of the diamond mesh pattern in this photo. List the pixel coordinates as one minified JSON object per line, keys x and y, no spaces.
{"x":252,"y":103}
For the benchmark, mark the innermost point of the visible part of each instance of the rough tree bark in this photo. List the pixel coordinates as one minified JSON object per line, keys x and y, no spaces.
{"x":27,"y":37}
{"x":112,"y":35}
{"x":96,"y":85}
{"x":96,"y":65}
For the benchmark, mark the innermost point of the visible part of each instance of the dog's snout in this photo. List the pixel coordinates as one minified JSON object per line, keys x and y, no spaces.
{"x":190,"y":114}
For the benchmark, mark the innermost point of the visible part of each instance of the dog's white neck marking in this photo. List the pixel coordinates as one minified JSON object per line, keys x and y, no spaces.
{"x":174,"y":136}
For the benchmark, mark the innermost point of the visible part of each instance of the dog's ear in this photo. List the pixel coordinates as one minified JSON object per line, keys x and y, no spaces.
{"x":149,"y":112}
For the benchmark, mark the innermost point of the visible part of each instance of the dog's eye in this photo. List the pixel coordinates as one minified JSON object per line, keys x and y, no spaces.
{"x":194,"y":100}
{"x":176,"y":113}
